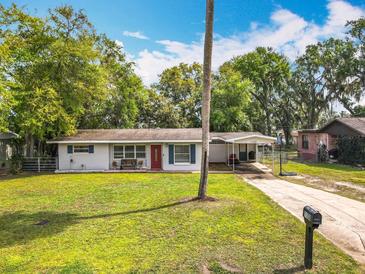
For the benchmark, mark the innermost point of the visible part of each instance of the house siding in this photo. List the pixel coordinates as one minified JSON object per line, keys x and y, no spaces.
{"x":181,"y":167}
{"x":99,"y":160}
{"x":314,"y":138}
{"x":146,"y":161}
{"x":103,"y":157}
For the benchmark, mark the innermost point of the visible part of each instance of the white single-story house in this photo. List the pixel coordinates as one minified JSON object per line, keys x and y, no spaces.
{"x":169,"y":149}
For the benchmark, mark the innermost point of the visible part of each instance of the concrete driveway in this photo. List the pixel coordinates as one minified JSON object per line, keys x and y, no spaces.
{"x":343,"y":218}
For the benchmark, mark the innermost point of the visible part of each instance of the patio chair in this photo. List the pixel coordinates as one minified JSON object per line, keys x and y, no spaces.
{"x":140,"y":164}
{"x":233,"y":158}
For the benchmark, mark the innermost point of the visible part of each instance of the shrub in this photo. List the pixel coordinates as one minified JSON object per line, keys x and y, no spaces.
{"x":16,"y":163}
{"x":351,"y":150}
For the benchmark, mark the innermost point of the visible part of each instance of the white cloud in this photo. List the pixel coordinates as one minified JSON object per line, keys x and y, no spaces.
{"x":135,"y":34}
{"x":119,"y":43}
{"x":288,"y":33}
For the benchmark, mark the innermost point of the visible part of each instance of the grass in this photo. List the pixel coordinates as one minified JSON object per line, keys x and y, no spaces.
{"x":343,"y":180}
{"x":328,"y":171}
{"x":138,"y":223}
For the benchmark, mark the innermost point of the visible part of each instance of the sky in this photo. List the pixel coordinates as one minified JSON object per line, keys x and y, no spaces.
{"x":157,"y":34}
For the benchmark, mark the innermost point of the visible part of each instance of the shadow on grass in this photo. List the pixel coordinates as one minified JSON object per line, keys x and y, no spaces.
{"x":291,"y":270}
{"x":21,"y":227}
{"x":8,"y":176}
{"x":143,"y":210}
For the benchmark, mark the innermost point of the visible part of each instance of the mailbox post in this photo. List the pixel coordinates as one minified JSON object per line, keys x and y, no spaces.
{"x":312,"y":220}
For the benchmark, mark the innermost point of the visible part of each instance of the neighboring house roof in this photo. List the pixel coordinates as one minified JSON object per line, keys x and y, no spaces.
{"x":149,"y":135}
{"x":355,"y":123}
{"x":307,"y":130}
{"x":294,"y":133}
{"x":8,"y":135}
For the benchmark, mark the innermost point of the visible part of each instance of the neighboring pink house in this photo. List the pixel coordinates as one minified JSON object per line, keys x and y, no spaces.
{"x":309,"y":139}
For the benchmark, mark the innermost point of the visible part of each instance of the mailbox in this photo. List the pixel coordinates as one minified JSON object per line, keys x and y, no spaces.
{"x":312,"y":219}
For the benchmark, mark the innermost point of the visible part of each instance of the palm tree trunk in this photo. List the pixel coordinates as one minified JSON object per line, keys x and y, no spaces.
{"x":208,"y":45}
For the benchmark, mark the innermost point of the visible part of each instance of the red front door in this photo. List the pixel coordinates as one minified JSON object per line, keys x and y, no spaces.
{"x":156,"y":156}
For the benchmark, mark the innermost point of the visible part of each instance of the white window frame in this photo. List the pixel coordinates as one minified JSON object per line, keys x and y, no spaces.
{"x":134,"y":151}
{"x":114,"y":152}
{"x":182,"y":163}
{"x":80,"y":152}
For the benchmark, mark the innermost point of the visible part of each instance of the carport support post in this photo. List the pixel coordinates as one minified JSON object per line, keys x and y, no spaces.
{"x":233,"y":155}
{"x":273,"y":157}
{"x":227,"y":153}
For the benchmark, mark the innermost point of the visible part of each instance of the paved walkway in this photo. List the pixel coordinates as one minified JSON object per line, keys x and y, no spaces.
{"x":343,"y":218}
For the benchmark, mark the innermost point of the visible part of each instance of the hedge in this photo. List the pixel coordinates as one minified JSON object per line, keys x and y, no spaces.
{"x":351,"y":150}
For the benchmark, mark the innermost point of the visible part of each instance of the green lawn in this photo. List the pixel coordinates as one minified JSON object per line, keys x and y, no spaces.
{"x":325,"y":171}
{"x":340,"y":179}
{"x":131,"y":223}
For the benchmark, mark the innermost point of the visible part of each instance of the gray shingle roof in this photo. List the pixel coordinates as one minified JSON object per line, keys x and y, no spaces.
{"x":356,"y":123}
{"x":142,"y":134}
{"x":158,"y":134}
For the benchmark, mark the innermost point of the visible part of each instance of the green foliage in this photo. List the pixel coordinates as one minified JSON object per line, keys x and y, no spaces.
{"x":359,"y":111}
{"x":61,"y":75}
{"x":182,"y":87}
{"x":145,"y":223}
{"x":16,"y":163}
{"x":269,"y":72}
{"x":351,"y":150}
{"x":125,"y":92}
{"x":158,"y":111}
{"x":230,"y":100}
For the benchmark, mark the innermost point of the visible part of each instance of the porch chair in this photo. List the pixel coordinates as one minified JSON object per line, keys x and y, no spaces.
{"x":233,"y":158}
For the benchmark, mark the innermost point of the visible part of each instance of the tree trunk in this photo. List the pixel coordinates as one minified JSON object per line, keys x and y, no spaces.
{"x":29,"y":145}
{"x":287,"y":132}
{"x":268,"y":123}
{"x":208,"y":46}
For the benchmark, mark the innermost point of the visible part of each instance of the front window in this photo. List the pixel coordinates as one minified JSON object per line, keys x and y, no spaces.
{"x":118,"y":152}
{"x":140,"y":151}
{"x":81,"y":149}
{"x":305,"y":143}
{"x":129,"y":151}
{"x":182,"y":154}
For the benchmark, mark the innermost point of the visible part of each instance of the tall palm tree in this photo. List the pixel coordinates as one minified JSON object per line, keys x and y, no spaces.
{"x":208,"y":45}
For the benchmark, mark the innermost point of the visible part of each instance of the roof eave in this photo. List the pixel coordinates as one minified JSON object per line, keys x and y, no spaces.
{"x":119,"y":141}
{"x":251,"y":136}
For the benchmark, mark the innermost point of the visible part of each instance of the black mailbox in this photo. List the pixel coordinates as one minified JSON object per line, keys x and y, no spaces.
{"x":312,"y":219}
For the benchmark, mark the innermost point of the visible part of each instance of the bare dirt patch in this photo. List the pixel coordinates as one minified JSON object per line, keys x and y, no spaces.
{"x":347,"y":189}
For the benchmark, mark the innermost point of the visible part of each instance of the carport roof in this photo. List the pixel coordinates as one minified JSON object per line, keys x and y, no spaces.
{"x":149,"y":135}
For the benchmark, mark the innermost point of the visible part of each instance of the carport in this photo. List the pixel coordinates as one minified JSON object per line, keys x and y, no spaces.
{"x":237,"y":147}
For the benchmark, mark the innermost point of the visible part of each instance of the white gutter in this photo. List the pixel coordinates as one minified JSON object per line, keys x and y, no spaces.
{"x":252,"y":136}
{"x":121,"y":141}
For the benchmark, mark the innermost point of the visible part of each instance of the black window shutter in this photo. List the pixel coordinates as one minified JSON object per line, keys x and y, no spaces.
{"x":69,"y":149}
{"x":192,"y":154}
{"x":91,"y":148}
{"x":171,"y":154}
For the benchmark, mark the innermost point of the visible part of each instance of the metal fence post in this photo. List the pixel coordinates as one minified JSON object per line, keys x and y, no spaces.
{"x":39,"y":164}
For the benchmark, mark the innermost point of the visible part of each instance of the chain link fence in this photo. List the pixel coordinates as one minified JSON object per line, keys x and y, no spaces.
{"x":271,"y":158}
